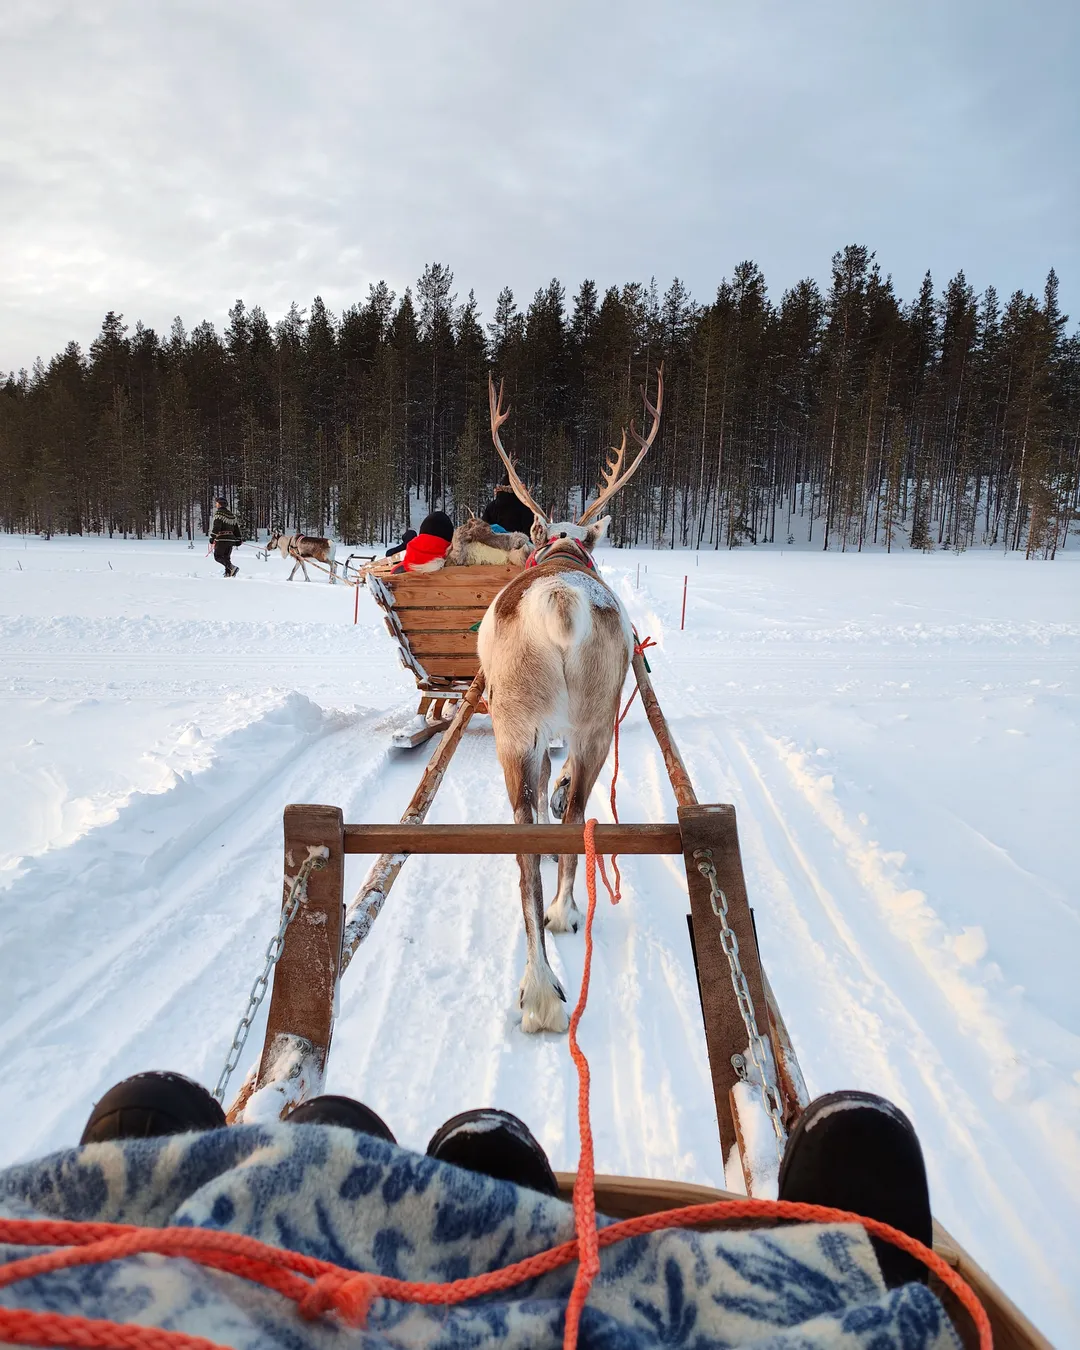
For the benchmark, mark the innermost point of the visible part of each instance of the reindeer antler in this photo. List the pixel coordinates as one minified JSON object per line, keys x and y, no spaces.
{"x":615,"y":476}
{"x":613,"y":468}
{"x":498,"y":417}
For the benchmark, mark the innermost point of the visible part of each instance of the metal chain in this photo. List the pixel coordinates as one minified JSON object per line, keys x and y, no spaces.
{"x":317,"y":856}
{"x":759,"y":1054}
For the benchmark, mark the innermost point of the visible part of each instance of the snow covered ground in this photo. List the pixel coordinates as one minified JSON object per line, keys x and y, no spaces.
{"x":899,"y":735}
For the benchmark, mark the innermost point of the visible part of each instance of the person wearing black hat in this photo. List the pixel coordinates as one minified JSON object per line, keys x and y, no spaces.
{"x":225,"y":535}
{"x":505,"y":512}
{"x":399,"y":547}
{"x":427,"y":552}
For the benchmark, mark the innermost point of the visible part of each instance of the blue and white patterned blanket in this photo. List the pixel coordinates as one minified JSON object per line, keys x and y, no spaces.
{"x":367,"y":1205}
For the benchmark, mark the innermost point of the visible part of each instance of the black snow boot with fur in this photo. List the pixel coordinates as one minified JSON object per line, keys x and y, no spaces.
{"x":859,"y":1152}
{"x":496,"y":1144}
{"x":149,"y":1105}
{"x":344,"y":1112}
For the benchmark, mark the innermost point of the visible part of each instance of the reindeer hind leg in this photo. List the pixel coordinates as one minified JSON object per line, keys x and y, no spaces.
{"x":543,"y":778}
{"x":541,"y":998}
{"x":542,"y":809}
{"x":563,"y":915}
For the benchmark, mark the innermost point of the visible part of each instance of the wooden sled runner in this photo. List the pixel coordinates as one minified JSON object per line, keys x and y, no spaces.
{"x":323,"y":936}
{"x":433,"y":618}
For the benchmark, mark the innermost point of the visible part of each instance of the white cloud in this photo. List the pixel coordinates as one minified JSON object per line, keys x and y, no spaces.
{"x":163,"y":159}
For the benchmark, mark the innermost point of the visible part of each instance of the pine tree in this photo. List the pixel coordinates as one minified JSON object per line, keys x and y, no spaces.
{"x":468,"y":475}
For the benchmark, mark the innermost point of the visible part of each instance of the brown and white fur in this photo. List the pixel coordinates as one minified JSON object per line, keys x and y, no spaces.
{"x":476,"y":543}
{"x":301,"y":547}
{"x":555,"y":646}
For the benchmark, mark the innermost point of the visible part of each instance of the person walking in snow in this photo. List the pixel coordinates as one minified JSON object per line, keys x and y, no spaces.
{"x":225,"y":535}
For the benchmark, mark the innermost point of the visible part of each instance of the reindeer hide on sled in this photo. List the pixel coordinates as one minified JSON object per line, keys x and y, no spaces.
{"x":476,"y":543}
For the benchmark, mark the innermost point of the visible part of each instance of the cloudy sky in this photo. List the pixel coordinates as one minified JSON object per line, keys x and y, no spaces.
{"x":165,"y":158}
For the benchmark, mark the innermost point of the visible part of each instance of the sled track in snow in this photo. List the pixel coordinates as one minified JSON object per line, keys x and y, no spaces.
{"x":874,"y":996}
{"x":157,"y":948}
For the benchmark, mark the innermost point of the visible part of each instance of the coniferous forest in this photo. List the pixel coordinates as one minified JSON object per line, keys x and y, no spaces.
{"x":844,"y":419}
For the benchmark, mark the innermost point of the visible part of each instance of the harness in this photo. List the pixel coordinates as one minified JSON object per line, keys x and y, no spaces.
{"x":578,"y":553}
{"x":297,"y":542}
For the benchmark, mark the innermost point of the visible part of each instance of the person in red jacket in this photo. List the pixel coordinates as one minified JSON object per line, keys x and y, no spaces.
{"x":427,"y":552}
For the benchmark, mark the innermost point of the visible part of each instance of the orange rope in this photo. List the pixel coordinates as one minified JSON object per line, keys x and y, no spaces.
{"x":350,"y":1293}
{"x":617,"y":896}
{"x":318,"y":1287}
{"x":640,"y":647}
{"x":584,"y":1190}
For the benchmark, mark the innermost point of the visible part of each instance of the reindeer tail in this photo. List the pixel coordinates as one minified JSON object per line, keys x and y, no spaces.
{"x":560,"y":613}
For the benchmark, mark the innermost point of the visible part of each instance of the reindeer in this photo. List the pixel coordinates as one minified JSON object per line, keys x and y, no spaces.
{"x":555,"y":645}
{"x":301,"y":546}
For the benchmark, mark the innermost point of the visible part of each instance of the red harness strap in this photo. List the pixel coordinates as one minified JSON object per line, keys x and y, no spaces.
{"x":577,"y":553}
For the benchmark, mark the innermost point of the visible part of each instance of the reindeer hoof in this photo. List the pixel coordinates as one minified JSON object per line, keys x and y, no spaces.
{"x":543,"y":1004}
{"x":558,"y":799}
{"x":556,"y":1020}
{"x":563,"y":918}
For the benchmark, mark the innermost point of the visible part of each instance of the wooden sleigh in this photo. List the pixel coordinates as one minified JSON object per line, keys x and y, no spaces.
{"x":321,"y":940}
{"x":433,"y":618}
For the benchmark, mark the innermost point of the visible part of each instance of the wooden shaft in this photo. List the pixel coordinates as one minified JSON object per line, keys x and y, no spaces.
{"x":236,"y":1110}
{"x":410,"y":838}
{"x":680,"y":779}
{"x":371,"y":896}
{"x":749,"y":1180}
{"x":314,"y":562}
{"x":304,"y":993}
{"x":770,"y":1022}
{"x":713,"y":828}
{"x":789,"y":1076}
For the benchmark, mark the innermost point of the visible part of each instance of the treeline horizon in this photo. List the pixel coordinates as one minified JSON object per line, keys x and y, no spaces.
{"x":846,"y":417}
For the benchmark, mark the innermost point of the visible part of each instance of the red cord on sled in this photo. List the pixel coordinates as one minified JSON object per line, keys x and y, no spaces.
{"x":318,"y":1287}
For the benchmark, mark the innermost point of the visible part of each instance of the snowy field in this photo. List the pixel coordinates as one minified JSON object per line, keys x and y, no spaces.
{"x":899,"y":735}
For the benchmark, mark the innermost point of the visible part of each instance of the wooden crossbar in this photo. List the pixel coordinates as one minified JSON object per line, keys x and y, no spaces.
{"x":410,"y":838}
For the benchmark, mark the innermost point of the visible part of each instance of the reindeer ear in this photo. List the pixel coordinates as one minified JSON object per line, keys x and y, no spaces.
{"x":596,"y":532}
{"x":539,"y":532}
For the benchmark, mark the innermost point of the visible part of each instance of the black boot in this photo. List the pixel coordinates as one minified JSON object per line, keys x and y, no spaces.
{"x":496,"y":1144}
{"x":343,"y":1111}
{"x":148,"y":1105}
{"x":855,"y":1151}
